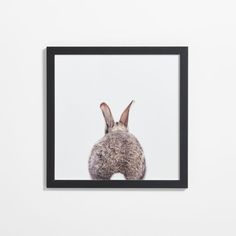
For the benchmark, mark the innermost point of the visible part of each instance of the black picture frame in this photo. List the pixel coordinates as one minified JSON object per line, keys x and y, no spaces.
{"x":183,"y":114}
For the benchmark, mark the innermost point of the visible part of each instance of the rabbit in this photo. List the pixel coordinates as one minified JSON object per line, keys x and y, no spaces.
{"x":118,"y":151}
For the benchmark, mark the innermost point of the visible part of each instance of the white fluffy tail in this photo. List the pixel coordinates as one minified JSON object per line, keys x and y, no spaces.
{"x":117,"y":176}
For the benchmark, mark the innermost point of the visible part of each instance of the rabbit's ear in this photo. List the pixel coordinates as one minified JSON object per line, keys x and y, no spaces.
{"x":107,"y":115}
{"x":125,"y":115}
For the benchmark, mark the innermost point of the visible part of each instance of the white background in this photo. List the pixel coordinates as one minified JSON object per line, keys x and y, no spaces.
{"x":82,"y":82}
{"x":208,"y":207}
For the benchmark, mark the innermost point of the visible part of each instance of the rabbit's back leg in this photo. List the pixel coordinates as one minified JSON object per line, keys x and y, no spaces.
{"x":98,"y":176}
{"x":135,"y":169}
{"x":99,"y":170}
{"x":134,"y":175}
{"x":100,"y":173}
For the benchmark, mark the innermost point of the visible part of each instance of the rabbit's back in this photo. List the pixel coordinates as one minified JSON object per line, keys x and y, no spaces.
{"x":117,"y":152}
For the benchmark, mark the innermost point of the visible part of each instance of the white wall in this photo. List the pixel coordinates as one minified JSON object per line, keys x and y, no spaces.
{"x":208,"y":207}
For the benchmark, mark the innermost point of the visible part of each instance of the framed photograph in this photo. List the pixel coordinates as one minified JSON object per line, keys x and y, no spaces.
{"x":117,"y":117}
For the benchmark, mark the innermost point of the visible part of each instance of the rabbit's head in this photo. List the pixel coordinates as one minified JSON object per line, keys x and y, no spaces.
{"x":112,"y":126}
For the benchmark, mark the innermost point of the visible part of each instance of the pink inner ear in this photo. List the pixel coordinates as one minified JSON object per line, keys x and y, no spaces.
{"x":124,"y":119}
{"x":107,"y":114}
